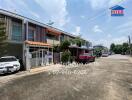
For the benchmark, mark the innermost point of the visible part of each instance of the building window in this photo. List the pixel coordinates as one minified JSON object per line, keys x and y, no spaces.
{"x":31,"y":33}
{"x":62,"y":38}
{"x":16,"y":31}
{"x":53,"y":37}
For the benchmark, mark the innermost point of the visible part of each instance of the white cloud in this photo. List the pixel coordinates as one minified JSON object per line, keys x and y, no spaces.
{"x":56,"y":9}
{"x":35,"y":14}
{"x":107,"y":41}
{"x":125,"y":28}
{"x":125,"y":31}
{"x":99,"y":4}
{"x":97,"y":29}
{"x":125,"y":25}
{"x":82,"y":16}
{"x":96,"y":4}
{"x":18,"y":6}
{"x":119,"y":40}
{"x":77,"y":30}
{"x":114,"y":2}
{"x":109,"y":35}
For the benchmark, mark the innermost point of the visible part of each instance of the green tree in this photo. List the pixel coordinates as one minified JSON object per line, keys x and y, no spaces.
{"x":125,"y":48}
{"x":78,"y":41}
{"x":98,"y":52}
{"x":98,"y":49}
{"x":56,"y":48}
{"x":112,"y":47}
{"x":66,"y":56}
{"x":65,"y":45}
{"x":131,"y":49}
{"x":3,"y":43}
{"x":118,"y":49}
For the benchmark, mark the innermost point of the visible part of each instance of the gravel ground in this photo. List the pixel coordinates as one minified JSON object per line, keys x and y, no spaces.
{"x":108,"y":78}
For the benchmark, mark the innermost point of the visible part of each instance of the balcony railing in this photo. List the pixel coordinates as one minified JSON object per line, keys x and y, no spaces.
{"x":53,"y":42}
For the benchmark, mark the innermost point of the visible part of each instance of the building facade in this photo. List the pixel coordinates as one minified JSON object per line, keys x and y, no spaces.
{"x":31,"y":41}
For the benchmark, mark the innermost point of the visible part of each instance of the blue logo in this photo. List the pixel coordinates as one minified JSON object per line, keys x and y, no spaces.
{"x":117,"y":11}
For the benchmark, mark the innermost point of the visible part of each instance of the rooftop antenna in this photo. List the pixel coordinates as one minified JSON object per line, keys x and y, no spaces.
{"x":50,"y":23}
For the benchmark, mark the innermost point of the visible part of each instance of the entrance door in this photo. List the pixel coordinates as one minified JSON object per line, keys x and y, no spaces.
{"x":38,"y":58}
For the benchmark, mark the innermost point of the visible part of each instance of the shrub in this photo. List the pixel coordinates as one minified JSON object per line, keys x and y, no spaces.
{"x":65,"y":56}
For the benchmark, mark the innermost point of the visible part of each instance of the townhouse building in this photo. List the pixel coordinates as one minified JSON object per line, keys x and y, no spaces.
{"x":30,"y":40}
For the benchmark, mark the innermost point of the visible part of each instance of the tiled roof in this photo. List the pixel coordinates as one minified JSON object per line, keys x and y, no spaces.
{"x":53,"y":31}
{"x":37,"y":43}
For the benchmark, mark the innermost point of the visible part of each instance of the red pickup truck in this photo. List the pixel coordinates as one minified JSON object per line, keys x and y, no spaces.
{"x":86,"y":57}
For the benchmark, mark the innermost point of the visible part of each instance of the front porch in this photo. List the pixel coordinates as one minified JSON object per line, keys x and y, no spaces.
{"x":37,"y":54}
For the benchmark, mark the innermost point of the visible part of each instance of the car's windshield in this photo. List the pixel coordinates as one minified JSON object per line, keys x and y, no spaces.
{"x":7,"y":59}
{"x":105,"y":53}
{"x":87,"y":54}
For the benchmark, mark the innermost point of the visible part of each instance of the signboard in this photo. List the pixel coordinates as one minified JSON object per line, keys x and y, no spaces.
{"x":117,"y":11}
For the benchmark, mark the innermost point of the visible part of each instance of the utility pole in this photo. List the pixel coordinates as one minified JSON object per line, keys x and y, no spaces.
{"x":129,"y":42}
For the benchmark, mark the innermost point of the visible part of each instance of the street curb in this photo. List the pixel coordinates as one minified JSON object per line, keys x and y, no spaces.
{"x":6,"y":79}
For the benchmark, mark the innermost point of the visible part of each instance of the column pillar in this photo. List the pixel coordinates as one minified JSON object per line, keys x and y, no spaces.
{"x":27,"y":54}
{"x":36,"y":58}
{"x":24,"y":46}
{"x":42,"y":57}
{"x":27,"y":30}
{"x":60,"y":38}
{"x":52,"y":56}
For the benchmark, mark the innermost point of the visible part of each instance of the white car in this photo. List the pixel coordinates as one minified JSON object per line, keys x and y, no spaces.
{"x":9,"y":64}
{"x":105,"y":54}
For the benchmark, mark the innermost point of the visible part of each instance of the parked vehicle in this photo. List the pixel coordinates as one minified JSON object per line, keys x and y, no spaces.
{"x":9,"y":64}
{"x":86,"y":57}
{"x":105,"y":54}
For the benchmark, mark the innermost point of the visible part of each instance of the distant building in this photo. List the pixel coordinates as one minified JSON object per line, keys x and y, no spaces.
{"x":98,"y":46}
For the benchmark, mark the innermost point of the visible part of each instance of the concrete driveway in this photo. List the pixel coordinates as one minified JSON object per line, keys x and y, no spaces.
{"x":109,"y":78}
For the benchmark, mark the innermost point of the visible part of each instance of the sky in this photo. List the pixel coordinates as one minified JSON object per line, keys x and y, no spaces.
{"x":89,"y":18}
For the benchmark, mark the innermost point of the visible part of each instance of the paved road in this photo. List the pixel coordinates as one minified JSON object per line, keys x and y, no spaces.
{"x":108,"y":78}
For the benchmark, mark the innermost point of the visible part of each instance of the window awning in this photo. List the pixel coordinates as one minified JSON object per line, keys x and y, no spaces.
{"x":33,"y":43}
{"x":53,"y":31}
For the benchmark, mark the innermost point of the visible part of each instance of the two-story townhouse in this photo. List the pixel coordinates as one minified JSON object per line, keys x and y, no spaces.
{"x":32,"y":41}
{"x":53,"y":36}
{"x":74,"y":49}
{"x":27,"y":40}
{"x":66,"y":36}
{"x":14,"y":29}
{"x":37,"y":51}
